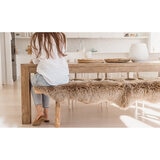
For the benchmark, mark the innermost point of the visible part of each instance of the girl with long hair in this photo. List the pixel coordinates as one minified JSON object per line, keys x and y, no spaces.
{"x":48,"y":52}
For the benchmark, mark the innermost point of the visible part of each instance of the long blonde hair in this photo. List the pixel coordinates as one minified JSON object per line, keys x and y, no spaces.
{"x":44,"y":40}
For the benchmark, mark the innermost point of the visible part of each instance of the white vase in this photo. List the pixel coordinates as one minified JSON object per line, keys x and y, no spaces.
{"x":139,"y":52}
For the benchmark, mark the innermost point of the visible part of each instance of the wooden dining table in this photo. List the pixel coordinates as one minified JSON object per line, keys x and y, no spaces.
{"x":27,"y":69}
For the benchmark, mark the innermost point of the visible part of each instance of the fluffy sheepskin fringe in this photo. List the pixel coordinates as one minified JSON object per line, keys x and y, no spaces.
{"x":121,"y":93}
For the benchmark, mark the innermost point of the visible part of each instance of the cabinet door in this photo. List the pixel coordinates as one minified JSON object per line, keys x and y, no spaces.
{"x":154,"y":42}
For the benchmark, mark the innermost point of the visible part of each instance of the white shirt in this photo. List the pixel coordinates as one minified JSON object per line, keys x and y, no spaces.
{"x":54,"y":70}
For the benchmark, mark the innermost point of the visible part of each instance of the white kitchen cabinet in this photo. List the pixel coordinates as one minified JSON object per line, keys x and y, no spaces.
{"x":154,"y":42}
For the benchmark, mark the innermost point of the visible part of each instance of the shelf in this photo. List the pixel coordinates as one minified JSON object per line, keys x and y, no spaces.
{"x":22,"y":37}
{"x":143,"y":37}
{"x":109,"y":35}
{"x":140,"y":37}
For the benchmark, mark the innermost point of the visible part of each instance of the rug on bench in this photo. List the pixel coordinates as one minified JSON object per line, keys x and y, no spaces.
{"x":121,"y":93}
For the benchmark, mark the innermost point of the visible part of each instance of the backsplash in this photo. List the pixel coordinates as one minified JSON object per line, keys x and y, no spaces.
{"x":102,"y":45}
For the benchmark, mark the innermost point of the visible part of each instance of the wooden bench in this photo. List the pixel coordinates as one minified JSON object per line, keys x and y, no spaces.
{"x":121,"y":93}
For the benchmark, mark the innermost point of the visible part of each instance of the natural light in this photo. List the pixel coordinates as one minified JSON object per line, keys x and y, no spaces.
{"x":149,"y":116}
{"x":132,"y":122}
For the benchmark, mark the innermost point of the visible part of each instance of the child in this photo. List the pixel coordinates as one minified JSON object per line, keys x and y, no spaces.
{"x":52,"y":69}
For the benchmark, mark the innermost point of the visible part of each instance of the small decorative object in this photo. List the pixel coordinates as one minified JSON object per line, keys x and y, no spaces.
{"x":133,"y":35}
{"x":126,"y":35}
{"x":130,"y":34}
{"x":139,"y":52}
{"x":18,"y":34}
{"x":29,"y":50}
{"x":93,"y":50}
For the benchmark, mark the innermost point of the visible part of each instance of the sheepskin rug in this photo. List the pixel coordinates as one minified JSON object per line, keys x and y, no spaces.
{"x":121,"y":93}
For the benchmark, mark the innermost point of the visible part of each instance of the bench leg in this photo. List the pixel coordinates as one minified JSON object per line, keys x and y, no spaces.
{"x":57,"y":114}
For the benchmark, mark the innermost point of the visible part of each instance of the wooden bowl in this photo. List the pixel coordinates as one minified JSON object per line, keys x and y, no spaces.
{"x":117,"y":60}
{"x":90,"y":60}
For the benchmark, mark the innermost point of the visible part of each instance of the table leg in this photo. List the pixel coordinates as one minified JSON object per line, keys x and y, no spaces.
{"x":25,"y":95}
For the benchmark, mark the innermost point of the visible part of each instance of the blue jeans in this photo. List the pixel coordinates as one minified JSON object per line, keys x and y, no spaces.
{"x":39,"y":99}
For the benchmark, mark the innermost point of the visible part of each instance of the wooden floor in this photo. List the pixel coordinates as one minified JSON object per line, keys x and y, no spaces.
{"x":88,"y":132}
{"x":81,"y":116}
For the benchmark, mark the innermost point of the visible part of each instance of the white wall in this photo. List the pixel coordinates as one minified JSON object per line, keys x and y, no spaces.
{"x":3,"y":62}
{"x":6,"y":60}
{"x":21,"y":54}
{"x":106,"y":47}
{"x":0,"y":59}
{"x":21,"y":59}
{"x":103,"y":45}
